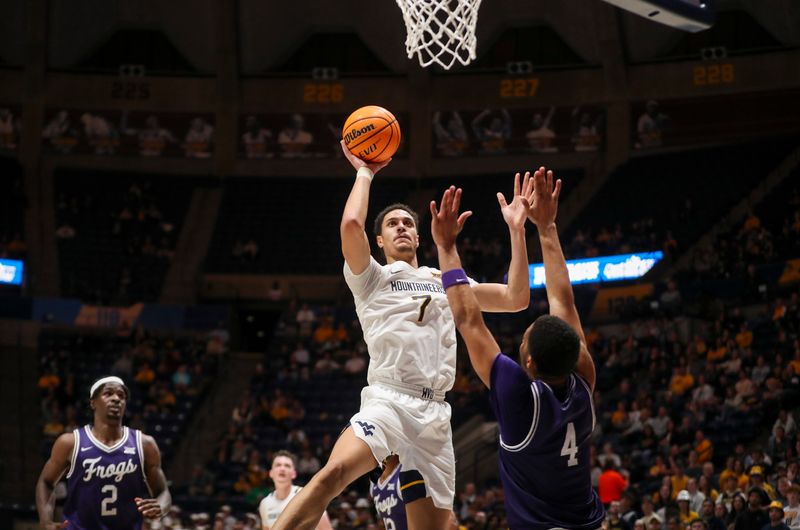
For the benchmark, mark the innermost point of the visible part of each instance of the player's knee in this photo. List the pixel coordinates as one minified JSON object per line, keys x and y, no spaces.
{"x":332,"y":478}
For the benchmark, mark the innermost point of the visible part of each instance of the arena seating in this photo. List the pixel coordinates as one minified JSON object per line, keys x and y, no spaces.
{"x":12,"y":210}
{"x":768,"y":234}
{"x":269,"y":212}
{"x":291,"y":402}
{"x":161,"y":401}
{"x":117,"y":232}
{"x":263,"y":211}
{"x":701,"y":185}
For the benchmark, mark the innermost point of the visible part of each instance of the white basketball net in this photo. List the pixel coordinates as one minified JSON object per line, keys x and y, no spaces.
{"x":440,"y":31}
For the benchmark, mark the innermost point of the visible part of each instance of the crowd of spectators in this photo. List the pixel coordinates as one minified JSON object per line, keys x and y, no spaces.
{"x":316,"y":350}
{"x":638,"y":236}
{"x":761,"y":238}
{"x":130,"y":228}
{"x":489,"y":258}
{"x":139,"y":222}
{"x":486,"y":259}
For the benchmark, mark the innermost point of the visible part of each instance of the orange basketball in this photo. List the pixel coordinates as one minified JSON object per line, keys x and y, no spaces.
{"x":372,"y":134}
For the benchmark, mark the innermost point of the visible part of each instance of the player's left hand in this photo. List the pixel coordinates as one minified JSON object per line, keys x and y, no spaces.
{"x":446,"y":222}
{"x":516,"y":213}
{"x":544,"y":207}
{"x":150,"y":508}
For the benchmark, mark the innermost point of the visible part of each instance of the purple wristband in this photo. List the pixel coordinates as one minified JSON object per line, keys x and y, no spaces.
{"x":454,"y":277}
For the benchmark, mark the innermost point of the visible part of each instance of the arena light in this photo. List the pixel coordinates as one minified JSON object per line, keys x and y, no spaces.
{"x":602,"y":269}
{"x":688,"y":15}
{"x":11,"y":271}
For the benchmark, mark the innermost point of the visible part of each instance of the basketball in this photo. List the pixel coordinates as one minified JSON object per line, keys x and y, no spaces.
{"x":372,"y":134}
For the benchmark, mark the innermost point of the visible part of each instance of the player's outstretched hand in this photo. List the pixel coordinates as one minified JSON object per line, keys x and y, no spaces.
{"x":150,"y":508}
{"x":357,"y":163}
{"x":543,"y":209}
{"x":446,"y":222}
{"x":515,"y":213}
{"x":55,"y":525}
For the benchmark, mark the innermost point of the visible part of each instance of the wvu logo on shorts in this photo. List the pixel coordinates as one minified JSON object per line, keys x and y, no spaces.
{"x":366,"y":427}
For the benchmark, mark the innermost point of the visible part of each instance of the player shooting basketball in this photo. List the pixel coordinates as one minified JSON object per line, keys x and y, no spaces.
{"x":544,"y":410}
{"x":114,"y":475}
{"x":410,"y":334}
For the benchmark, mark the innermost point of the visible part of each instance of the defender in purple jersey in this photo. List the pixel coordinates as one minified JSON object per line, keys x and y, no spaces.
{"x":114,"y":475}
{"x":390,"y":487}
{"x":387,"y":495}
{"x":544,"y":407}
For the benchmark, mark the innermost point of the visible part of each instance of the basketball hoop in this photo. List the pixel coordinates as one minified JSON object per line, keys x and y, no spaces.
{"x":440,"y":31}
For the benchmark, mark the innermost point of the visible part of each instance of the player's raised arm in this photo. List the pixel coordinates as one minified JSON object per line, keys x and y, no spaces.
{"x":355,"y":244}
{"x":445,"y":226}
{"x":53,"y":470}
{"x":542,"y":213}
{"x":497,"y":297}
{"x":159,"y":505}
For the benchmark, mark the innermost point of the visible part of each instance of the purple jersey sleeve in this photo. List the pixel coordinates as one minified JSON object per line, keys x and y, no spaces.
{"x":512,"y":400}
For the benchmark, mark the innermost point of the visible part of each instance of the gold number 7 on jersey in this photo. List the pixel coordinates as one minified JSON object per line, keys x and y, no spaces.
{"x":426,"y":299}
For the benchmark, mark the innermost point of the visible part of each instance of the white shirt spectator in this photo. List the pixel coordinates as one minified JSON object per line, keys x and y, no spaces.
{"x":305,"y":315}
{"x":355,"y":365}
{"x":789,"y":426}
{"x":791,"y":516}
{"x":301,"y":355}
{"x":702,"y":394}
{"x":696,"y":501}
{"x":608,"y":454}
{"x":308,"y":465}
{"x":326,"y":364}
{"x":255,"y":143}
{"x":659,"y":425}
{"x":198,"y":139}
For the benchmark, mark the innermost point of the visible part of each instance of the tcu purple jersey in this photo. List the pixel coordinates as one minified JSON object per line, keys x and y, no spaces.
{"x":544,"y":450}
{"x":388,"y":501}
{"x":103,"y":481}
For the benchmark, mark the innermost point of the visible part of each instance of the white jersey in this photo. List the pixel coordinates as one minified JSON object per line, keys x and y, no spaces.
{"x":407,"y":324}
{"x":271,"y":507}
{"x":791,"y":516}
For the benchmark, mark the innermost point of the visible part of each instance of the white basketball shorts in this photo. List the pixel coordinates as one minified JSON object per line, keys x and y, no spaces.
{"x":416,"y":430}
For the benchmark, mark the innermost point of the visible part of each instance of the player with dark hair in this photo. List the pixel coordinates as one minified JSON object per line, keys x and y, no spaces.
{"x":410,"y":335}
{"x":544,"y":407}
{"x":114,"y":475}
{"x":283,"y":472}
{"x":377,"y":225}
